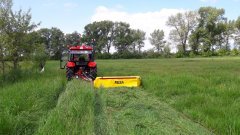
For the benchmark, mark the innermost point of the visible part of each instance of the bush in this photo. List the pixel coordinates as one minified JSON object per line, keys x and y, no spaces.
{"x":103,"y":55}
{"x":127,"y":55}
{"x":192,"y":54}
{"x":222,"y":52}
{"x":179,"y":55}
{"x":207,"y":54}
{"x":151,"y":54}
{"x":234,"y":52}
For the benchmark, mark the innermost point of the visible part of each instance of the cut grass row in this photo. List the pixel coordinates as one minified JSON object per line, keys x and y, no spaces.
{"x":74,"y":113}
{"x":23,"y":103}
{"x":83,"y":110}
{"x":133,"y":111}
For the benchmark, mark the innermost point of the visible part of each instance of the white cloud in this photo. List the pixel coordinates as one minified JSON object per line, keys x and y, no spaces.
{"x":148,"y":21}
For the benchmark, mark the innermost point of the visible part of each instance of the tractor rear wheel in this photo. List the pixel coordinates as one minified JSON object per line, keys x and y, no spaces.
{"x":69,"y":74}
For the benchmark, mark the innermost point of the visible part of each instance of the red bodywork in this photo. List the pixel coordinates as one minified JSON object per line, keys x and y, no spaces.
{"x":92,"y":64}
{"x":71,"y":64}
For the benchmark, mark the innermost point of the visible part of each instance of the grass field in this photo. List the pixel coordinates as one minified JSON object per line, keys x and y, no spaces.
{"x":178,"y":96}
{"x":205,"y":90}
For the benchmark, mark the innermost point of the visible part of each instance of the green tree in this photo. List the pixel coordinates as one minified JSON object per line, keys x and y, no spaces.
{"x":5,"y":9}
{"x":237,"y":32}
{"x":194,"y":40}
{"x":122,"y":37}
{"x":138,"y":40}
{"x":210,"y":27}
{"x":36,"y":50}
{"x":182,"y":24}
{"x":157,"y":40}
{"x":227,"y":29}
{"x":53,"y":40}
{"x":57,"y":42}
{"x":3,"y":52}
{"x":167,"y":50}
{"x":45,"y":35}
{"x":15,"y":26}
{"x":73,"y":38}
{"x":102,"y":32}
{"x":33,"y":40}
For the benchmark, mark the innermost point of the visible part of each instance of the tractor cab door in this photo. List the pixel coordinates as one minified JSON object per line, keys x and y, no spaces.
{"x":64,"y":59}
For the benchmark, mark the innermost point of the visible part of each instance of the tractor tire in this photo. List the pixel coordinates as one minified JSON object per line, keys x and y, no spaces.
{"x":93,"y":73}
{"x":69,"y":74}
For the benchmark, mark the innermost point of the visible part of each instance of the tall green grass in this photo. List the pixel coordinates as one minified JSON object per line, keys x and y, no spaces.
{"x":205,"y":90}
{"x":24,"y":102}
{"x":26,"y":71}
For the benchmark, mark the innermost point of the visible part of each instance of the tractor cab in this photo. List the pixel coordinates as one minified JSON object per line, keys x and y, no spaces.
{"x":81,"y":55}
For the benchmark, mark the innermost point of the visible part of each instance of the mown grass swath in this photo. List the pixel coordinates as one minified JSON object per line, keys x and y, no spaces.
{"x":80,"y":110}
{"x":74,"y":113}
{"x":133,"y":111}
{"x":24,"y":102}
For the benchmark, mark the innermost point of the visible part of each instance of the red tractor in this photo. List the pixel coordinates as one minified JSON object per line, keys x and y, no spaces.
{"x":79,"y":62}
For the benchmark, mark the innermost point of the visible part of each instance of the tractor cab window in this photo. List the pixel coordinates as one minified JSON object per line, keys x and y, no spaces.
{"x":79,"y":57}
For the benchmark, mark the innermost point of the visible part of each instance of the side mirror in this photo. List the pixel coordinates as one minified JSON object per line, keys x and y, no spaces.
{"x":63,"y":59}
{"x":62,"y":64}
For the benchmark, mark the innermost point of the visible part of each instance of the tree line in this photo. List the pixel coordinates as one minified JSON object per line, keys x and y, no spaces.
{"x":205,"y":32}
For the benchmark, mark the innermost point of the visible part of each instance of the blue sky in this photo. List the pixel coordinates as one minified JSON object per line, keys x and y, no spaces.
{"x":70,"y":15}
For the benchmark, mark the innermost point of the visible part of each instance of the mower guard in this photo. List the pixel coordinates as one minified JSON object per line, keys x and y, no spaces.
{"x":117,"y":81}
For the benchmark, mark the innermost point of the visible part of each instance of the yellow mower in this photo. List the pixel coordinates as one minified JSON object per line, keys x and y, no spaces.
{"x":117,"y":81}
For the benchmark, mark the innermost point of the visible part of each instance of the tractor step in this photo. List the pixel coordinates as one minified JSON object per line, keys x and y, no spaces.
{"x":117,"y":81}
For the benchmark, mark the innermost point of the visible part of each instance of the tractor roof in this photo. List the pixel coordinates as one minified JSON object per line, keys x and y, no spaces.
{"x":82,"y":47}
